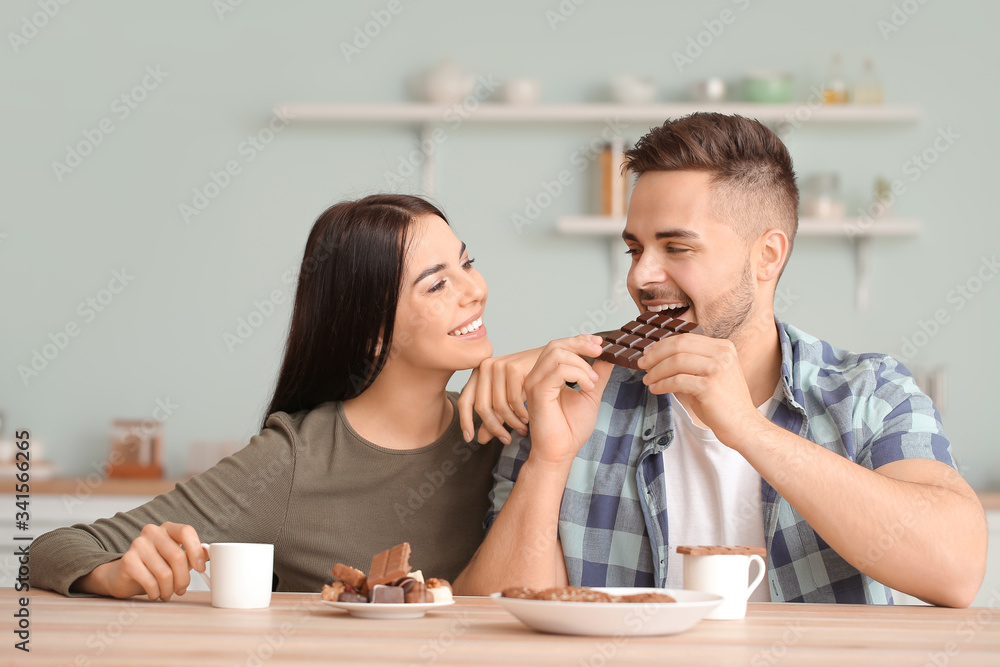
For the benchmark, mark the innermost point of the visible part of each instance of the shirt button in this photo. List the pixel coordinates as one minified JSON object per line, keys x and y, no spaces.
{"x":648,"y":432}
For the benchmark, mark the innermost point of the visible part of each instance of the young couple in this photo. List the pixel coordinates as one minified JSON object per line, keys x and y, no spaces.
{"x":755,"y":434}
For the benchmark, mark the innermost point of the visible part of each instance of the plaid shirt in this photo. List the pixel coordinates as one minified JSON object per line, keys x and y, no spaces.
{"x":613,"y":521}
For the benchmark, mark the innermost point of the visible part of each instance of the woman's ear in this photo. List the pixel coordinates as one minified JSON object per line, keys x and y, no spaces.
{"x":772,"y":252}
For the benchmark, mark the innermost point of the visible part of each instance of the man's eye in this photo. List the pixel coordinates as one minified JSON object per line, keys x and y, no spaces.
{"x":675,"y":249}
{"x":633,"y":251}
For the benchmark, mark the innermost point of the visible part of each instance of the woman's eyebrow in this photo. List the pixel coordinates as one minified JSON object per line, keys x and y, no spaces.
{"x":437,"y":267}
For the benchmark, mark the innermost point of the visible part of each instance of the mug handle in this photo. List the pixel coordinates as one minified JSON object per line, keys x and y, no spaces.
{"x":208,"y":580}
{"x":760,"y":574}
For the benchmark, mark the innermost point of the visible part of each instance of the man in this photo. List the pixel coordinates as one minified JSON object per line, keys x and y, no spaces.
{"x":755,"y":434}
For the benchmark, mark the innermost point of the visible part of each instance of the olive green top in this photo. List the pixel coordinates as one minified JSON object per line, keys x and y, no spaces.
{"x":316,"y":490}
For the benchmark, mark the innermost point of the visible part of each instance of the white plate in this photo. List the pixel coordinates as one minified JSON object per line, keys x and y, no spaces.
{"x":614,"y":618}
{"x":371,"y":610}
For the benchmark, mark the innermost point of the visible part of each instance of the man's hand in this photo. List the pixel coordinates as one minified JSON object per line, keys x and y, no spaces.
{"x":562,"y":419}
{"x":708,"y":371}
{"x":154,"y":564}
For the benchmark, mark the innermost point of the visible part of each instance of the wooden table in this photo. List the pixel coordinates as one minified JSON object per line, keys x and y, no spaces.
{"x":296,"y":630}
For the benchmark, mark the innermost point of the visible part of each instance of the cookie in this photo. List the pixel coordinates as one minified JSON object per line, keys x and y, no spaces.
{"x":646,"y":598}
{"x":573,"y":594}
{"x":519,"y":592}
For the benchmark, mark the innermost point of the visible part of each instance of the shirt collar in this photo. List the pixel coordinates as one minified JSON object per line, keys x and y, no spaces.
{"x":787,"y":366}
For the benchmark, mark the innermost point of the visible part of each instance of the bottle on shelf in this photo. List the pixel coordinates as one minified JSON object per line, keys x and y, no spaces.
{"x":614,"y":185}
{"x":868,"y":88}
{"x":835,"y":88}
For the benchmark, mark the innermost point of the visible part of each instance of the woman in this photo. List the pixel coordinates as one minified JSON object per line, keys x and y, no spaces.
{"x":362,"y":447}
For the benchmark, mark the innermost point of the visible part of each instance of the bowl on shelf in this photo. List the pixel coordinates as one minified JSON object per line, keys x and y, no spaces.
{"x":629,"y":89}
{"x":710,"y":90}
{"x":768,"y":87}
{"x":521,"y":91}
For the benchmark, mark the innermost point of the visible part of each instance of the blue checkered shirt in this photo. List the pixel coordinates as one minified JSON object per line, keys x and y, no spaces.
{"x":613,"y":521}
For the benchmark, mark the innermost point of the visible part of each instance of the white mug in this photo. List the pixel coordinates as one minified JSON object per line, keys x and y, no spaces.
{"x":241,"y":574}
{"x":725,"y":575}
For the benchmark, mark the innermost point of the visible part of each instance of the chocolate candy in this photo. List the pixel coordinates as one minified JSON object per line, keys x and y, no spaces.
{"x":387,"y":594}
{"x":352,"y":597}
{"x":390,"y":566}
{"x":625,"y":346}
{"x":351,"y":576}
{"x":332,"y":592}
{"x":418,"y":593}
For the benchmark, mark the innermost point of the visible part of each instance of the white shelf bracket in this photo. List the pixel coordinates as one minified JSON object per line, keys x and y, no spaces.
{"x":861,"y":252}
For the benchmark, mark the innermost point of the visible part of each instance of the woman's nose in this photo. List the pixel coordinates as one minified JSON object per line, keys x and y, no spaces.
{"x":473,"y":287}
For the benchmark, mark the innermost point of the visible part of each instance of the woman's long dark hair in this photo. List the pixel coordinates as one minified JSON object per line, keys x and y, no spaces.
{"x":345,"y":303}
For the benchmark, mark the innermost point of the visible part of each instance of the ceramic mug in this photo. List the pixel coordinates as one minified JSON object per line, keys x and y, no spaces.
{"x":725,"y":575}
{"x":241,"y":574}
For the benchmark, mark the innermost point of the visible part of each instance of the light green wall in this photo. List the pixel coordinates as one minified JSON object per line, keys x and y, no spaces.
{"x":162,"y":336}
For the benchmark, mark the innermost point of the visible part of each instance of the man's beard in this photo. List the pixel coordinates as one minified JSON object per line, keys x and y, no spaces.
{"x":728,"y":315}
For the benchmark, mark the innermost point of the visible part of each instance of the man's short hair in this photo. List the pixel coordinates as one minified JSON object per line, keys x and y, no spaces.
{"x":752,"y":179}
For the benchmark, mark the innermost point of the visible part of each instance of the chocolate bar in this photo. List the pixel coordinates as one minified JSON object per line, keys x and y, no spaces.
{"x":390,"y":566}
{"x":625,"y":346}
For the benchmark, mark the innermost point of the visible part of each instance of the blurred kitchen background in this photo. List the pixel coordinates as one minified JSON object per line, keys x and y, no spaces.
{"x":158,"y":194}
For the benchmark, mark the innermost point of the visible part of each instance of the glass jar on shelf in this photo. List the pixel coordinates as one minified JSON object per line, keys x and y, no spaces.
{"x":835,"y":87}
{"x":821,"y":197}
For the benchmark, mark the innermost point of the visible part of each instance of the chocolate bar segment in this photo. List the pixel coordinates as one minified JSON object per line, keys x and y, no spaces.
{"x":625,"y":346}
{"x":390,"y":566}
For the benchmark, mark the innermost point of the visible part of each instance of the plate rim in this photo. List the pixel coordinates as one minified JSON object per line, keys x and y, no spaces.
{"x":388,"y":607}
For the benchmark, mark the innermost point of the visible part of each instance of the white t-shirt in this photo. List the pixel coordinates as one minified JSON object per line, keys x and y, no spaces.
{"x":716,"y":487}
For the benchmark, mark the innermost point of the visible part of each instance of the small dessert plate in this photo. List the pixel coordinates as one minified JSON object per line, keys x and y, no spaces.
{"x":371,"y":610}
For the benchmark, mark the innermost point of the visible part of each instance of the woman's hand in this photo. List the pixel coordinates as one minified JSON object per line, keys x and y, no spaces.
{"x":496,"y":391}
{"x":155,"y":564}
{"x":562,"y":419}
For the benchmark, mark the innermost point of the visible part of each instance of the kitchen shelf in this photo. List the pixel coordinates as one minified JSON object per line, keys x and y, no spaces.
{"x":492,"y":112}
{"x":429,"y":119}
{"x":856,"y":230}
